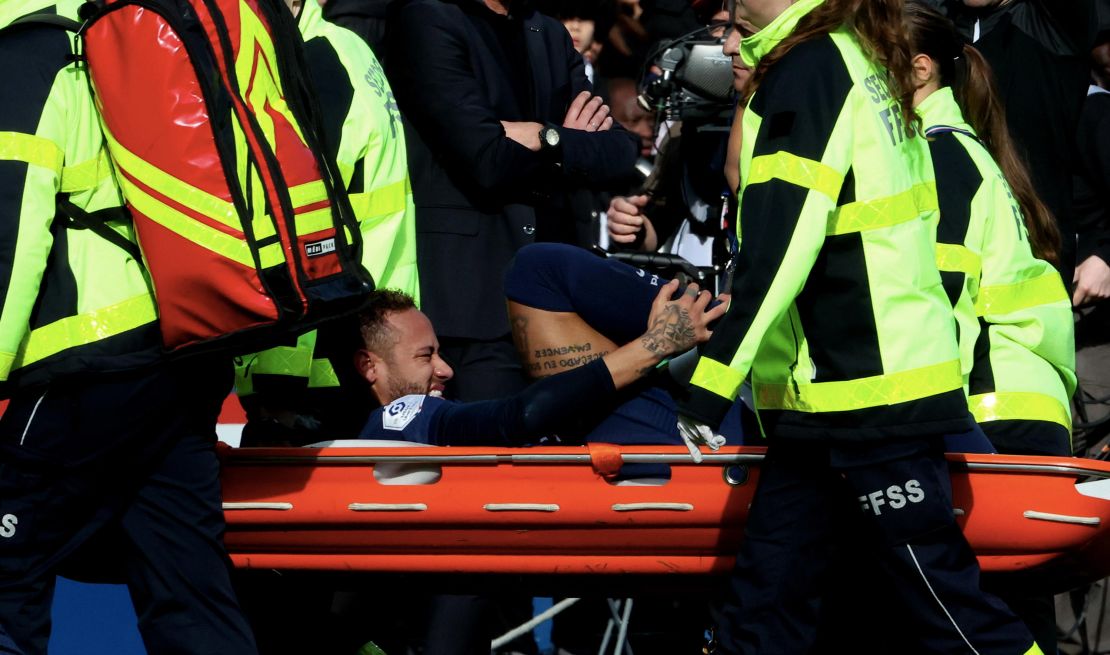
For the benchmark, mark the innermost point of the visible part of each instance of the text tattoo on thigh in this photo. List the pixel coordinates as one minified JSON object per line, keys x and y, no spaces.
{"x":550,"y":359}
{"x":569,"y":356}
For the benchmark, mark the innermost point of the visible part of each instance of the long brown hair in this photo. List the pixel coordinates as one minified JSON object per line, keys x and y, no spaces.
{"x":878,"y":26}
{"x":964,"y":69}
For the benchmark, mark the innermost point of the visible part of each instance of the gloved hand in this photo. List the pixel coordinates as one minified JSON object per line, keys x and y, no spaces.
{"x":695,"y":433}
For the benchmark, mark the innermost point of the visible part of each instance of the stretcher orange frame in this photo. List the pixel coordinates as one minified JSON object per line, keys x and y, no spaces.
{"x":553,"y":510}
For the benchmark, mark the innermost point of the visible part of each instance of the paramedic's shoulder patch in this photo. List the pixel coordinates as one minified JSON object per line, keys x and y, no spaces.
{"x":398,"y":414}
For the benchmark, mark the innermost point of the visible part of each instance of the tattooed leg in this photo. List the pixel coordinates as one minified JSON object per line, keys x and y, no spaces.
{"x":553,"y":342}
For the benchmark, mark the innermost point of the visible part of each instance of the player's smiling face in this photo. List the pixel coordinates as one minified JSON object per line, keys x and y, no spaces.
{"x":412,"y":365}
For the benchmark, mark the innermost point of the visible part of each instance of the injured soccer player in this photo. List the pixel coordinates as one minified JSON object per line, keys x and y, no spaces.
{"x":608,"y":385}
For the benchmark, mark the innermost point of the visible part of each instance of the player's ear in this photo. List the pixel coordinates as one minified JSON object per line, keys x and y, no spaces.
{"x":368,"y":365}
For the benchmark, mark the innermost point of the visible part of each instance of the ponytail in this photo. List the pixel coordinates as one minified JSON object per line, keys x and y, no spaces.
{"x":963,"y":68}
{"x":878,"y":26}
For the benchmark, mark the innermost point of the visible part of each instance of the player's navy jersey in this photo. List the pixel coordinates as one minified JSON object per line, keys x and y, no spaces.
{"x":438,"y":422}
{"x":646,"y":417}
{"x":406,"y":419}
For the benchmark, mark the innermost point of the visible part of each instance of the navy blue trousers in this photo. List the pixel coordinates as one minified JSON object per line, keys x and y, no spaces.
{"x":119,"y":473}
{"x":892,"y":502}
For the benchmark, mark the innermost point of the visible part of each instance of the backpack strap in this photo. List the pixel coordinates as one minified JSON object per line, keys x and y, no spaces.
{"x":74,"y":216}
{"x":97,"y":222}
{"x":57,"y":22}
{"x":52,"y":20}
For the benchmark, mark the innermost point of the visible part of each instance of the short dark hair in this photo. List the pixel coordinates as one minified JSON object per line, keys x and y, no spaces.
{"x":377,"y":336}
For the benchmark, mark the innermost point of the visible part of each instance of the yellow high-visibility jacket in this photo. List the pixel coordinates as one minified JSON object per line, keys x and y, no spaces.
{"x":837,"y":310}
{"x":1016,"y":330}
{"x":71,"y":302}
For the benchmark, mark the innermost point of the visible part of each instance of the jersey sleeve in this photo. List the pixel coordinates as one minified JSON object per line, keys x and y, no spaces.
{"x":541,"y":409}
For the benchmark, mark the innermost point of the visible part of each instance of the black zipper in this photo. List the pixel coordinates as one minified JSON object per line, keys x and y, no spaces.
{"x":797,"y":354}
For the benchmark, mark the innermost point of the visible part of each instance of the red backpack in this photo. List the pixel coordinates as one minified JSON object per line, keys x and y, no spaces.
{"x":216,"y":139}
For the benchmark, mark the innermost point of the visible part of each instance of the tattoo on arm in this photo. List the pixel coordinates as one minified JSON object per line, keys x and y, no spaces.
{"x":670,"y":333}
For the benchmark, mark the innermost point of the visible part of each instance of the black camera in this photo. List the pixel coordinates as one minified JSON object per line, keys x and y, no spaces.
{"x":695,"y":82}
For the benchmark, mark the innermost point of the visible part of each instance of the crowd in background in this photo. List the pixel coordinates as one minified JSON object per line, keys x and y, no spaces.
{"x":673,"y":192}
{"x":614,"y":126}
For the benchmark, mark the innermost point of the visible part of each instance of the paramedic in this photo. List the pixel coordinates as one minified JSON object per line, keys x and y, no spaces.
{"x":830,"y":300}
{"x":996,"y":243}
{"x":101,"y":434}
{"x":302,"y":392}
{"x":1037,"y":50}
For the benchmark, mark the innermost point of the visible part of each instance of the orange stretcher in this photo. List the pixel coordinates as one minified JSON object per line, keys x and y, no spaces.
{"x":407,"y":508}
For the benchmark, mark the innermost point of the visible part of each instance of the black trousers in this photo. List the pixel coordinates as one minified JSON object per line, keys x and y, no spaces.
{"x":126,"y":460}
{"x":892,"y":501}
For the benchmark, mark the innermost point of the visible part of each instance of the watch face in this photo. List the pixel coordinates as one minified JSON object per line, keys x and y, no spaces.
{"x":551,"y":137}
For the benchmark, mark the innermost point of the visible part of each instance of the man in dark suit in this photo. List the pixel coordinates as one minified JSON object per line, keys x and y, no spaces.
{"x":478,"y":81}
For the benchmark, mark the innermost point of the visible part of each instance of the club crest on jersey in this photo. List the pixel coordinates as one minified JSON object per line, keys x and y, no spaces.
{"x":398,"y":414}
